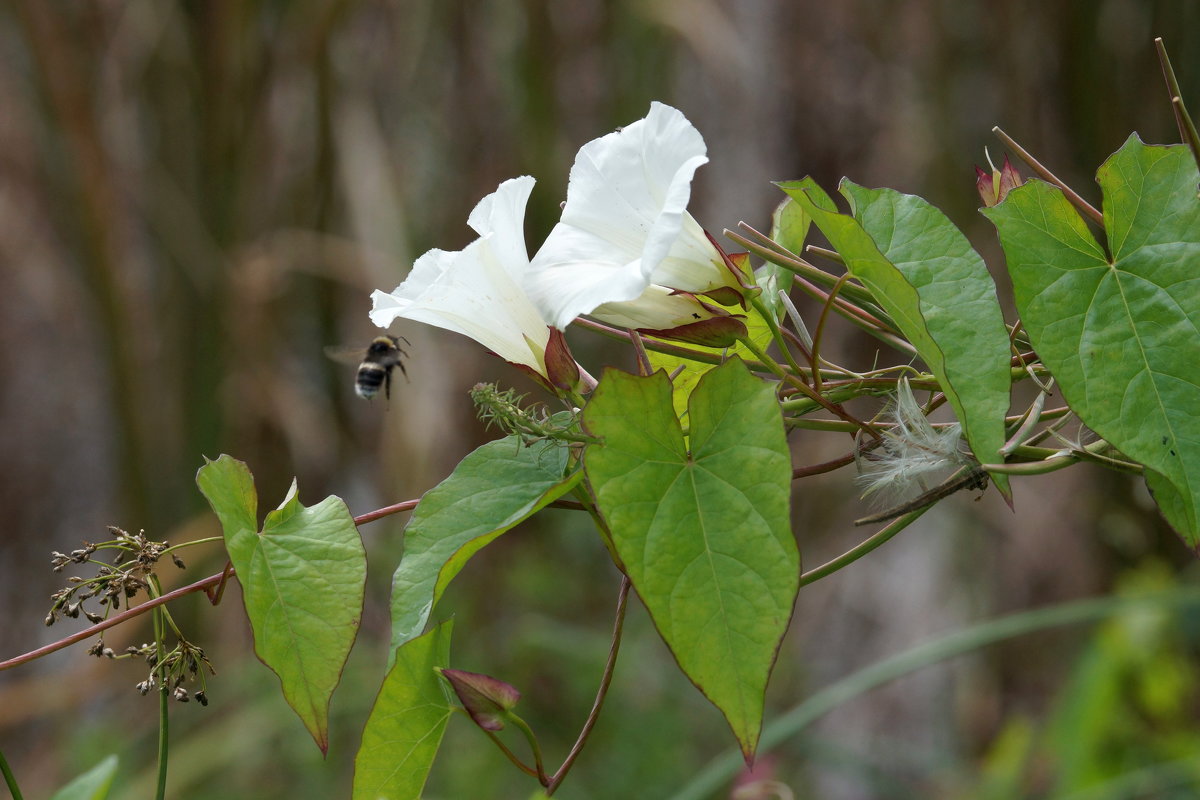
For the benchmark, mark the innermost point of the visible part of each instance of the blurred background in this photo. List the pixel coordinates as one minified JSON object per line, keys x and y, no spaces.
{"x":197,"y":196}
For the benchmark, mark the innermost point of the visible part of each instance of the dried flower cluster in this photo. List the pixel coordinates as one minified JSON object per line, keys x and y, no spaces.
{"x":132,"y":571}
{"x":184,"y":662}
{"x":125,"y":577}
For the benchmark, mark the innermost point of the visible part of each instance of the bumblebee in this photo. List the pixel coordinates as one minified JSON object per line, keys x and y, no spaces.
{"x":375,"y":365}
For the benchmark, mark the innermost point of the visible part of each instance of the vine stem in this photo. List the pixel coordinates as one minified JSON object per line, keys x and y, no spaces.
{"x":852,"y":555}
{"x":199,"y":586}
{"x":834,"y":408}
{"x":10,"y":780}
{"x":163,"y":704}
{"x":823,"y":467}
{"x":601,"y":693}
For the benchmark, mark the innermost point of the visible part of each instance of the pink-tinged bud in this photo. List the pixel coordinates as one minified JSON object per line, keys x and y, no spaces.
{"x":488,"y":700}
{"x":1009,"y":178}
{"x":994,"y":186}
{"x":715,"y":332}
{"x":561,"y":369}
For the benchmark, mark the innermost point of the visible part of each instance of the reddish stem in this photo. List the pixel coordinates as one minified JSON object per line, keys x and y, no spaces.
{"x":204,"y":585}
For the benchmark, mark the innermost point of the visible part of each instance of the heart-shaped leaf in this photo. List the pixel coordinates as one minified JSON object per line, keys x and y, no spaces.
{"x":303,"y":579}
{"x":703,"y":535}
{"x":1120,"y":331}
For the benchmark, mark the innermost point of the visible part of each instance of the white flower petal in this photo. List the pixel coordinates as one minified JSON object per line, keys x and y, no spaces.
{"x":625,"y":225}
{"x":502,"y":214}
{"x":477,"y":292}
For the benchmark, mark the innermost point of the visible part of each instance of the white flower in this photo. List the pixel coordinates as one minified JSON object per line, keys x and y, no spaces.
{"x":478,"y":291}
{"x":625,"y":226}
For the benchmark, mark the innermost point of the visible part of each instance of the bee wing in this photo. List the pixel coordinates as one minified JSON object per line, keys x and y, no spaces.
{"x":346,"y":355}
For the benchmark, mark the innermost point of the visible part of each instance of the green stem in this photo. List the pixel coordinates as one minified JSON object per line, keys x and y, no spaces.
{"x":830,"y":425}
{"x":10,"y":780}
{"x":850,"y":556}
{"x":1187,"y":128}
{"x":821,"y":322}
{"x":771,"y":251}
{"x":167,"y":620}
{"x":510,"y":755}
{"x":722,"y":769}
{"x":182,"y":545}
{"x":777,"y":335}
{"x":539,"y":770}
{"x":164,"y":698}
{"x":792,"y":380}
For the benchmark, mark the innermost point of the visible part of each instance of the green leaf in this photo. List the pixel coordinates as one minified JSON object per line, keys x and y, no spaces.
{"x":920,"y":268}
{"x":686,"y":378}
{"x":789,"y":228}
{"x":704,"y":536}
{"x":303,"y":579}
{"x":494,"y":488}
{"x":1121,"y":332}
{"x":91,"y":785}
{"x":406,"y":724}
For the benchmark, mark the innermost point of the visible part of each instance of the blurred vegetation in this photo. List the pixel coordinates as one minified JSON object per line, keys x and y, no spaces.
{"x":197,"y":195}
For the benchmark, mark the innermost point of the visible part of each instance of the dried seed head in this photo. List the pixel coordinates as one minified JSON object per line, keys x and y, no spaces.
{"x":914,"y":454}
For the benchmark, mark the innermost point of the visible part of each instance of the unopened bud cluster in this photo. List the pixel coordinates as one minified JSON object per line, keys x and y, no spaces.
{"x":532,"y":424}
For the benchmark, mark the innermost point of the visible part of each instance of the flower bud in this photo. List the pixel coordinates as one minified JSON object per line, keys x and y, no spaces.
{"x":561,"y":369}
{"x":994,"y":187}
{"x":485,"y":698}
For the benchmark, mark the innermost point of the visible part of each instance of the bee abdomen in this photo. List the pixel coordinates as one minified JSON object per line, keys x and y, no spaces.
{"x":370,"y":378}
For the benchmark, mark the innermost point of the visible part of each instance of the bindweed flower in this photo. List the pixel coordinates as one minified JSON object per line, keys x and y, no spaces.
{"x":626,"y":249}
{"x":994,"y":186}
{"x":914,"y":455}
{"x":479,"y":290}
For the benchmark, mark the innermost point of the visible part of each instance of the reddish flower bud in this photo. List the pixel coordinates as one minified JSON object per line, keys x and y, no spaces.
{"x":561,"y":369}
{"x":485,"y":698}
{"x":994,"y":186}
